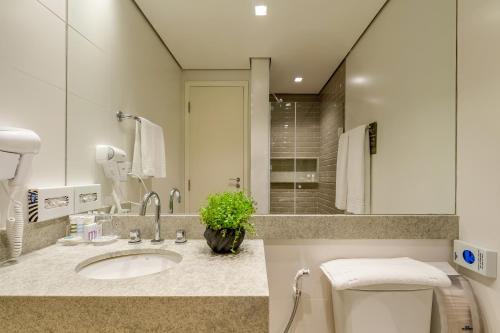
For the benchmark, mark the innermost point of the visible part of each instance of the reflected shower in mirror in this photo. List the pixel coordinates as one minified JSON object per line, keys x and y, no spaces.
{"x":404,"y":82}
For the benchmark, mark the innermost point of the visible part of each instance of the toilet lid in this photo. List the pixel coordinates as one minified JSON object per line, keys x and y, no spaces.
{"x":392,"y":287}
{"x":382,"y":272}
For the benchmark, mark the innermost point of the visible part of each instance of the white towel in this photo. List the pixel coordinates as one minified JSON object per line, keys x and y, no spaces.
{"x":356,"y":273}
{"x":341,"y":178}
{"x":358,"y":171}
{"x":149,"y":150}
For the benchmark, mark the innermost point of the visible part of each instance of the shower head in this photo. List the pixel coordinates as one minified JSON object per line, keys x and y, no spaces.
{"x":278,"y":100}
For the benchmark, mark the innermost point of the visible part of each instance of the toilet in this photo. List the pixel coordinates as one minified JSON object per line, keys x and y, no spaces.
{"x":383,"y":295}
{"x":383,"y":309}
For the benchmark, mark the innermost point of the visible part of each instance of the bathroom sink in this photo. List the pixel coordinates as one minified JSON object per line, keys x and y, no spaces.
{"x":128,"y":264}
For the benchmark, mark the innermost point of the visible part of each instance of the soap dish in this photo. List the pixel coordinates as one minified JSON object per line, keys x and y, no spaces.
{"x":104,"y":240}
{"x":70,"y":240}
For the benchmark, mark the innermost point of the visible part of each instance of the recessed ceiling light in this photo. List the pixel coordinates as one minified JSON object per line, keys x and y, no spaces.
{"x":359,"y":80}
{"x":260,"y":10}
{"x":298,"y":79}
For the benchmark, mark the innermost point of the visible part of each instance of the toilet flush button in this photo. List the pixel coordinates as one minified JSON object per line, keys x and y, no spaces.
{"x":480,"y":260}
{"x":469,"y":256}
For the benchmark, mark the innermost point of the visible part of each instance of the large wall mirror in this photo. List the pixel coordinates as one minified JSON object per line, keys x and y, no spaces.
{"x":116,"y":63}
{"x":400,"y":75}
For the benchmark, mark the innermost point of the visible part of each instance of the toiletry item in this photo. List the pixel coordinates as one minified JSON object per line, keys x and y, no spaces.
{"x":88,"y":218}
{"x":106,"y":223}
{"x":77,"y":223}
{"x":99,"y":230}
{"x":90,"y":231}
{"x":135,"y":236}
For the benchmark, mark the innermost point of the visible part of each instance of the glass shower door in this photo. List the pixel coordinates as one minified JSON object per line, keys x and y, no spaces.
{"x":282,"y":192}
{"x":295,"y":145}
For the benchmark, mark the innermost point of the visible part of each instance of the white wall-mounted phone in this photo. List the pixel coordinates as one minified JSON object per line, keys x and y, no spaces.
{"x":17,"y":148}
{"x":116,"y":167}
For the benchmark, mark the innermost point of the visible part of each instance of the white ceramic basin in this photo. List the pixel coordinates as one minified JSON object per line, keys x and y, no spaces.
{"x":128,"y":264}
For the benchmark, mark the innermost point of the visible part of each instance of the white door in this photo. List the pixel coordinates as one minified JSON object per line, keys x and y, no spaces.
{"x":215,"y":140}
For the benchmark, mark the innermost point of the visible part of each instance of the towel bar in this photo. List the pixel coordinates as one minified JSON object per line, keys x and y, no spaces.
{"x":120,"y":115}
{"x":372,"y":133}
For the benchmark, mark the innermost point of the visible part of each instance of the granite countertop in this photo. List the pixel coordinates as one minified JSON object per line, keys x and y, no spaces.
{"x":51,"y":272}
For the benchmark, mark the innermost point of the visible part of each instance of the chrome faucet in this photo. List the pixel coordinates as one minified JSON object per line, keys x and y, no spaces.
{"x":174,"y":192}
{"x":147,"y":197}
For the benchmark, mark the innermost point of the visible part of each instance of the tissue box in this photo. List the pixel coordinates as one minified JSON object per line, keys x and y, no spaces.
{"x":87,"y":198}
{"x":49,"y":203}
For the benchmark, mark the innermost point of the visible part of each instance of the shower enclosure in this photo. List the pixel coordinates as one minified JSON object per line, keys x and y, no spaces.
{"x":295,"y":153}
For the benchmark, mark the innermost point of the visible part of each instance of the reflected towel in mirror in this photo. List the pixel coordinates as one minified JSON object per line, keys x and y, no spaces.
{"x":149,"y":150}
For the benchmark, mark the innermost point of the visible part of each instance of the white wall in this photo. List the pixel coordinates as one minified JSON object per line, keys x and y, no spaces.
{"x":401,"y":74}
{"x":260,"y":133}
{"x":285,"y":257}
{"x":32,"y":82}
{"x":116,"y":62}
{"x":478,"y":181}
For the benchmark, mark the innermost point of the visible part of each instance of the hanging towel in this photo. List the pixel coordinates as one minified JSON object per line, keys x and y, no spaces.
{"x":149,"y":150}
{"x":358,"y":171}
{"x":341,"y":178}
{"x":356,"y":273}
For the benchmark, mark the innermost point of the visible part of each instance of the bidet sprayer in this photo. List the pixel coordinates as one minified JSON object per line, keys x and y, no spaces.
{"x":301,"y":273}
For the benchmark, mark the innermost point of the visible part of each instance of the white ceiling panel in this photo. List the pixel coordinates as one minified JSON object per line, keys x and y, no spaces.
{"x":307,"y":38}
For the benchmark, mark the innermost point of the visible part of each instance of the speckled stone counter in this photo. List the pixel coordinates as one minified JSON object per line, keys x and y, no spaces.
{"x":310,"y":226}
{"x":269,"y":227}
{"x":203,"y":293}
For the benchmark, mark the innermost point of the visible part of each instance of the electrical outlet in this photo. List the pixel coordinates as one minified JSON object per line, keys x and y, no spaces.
{"x":477,"y":259}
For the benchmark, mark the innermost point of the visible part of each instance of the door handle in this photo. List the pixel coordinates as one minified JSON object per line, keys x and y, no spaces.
{"x":237,"y":180}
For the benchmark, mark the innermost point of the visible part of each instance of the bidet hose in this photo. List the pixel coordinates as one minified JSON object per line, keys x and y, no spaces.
{"x":294,"y":311}
{"x":297,"y":292}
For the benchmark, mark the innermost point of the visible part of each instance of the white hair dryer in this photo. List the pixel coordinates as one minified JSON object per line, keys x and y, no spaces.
{"x":17,"y":148}
{"x":116,"y":167}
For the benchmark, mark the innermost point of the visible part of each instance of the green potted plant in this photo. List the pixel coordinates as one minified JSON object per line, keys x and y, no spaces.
{"x":227,"y":217}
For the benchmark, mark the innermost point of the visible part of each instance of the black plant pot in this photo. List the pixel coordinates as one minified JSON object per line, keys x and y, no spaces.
{"x":222,"y":241}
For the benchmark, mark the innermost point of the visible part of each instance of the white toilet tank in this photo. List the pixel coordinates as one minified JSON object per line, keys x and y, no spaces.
{"x":383,"y":295}
{"x":383,"y":309}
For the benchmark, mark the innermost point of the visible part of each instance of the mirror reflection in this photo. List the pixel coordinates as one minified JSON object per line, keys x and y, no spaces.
{"x":375,"y":134}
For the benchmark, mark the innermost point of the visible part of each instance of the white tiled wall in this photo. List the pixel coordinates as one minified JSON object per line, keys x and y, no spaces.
{"x":58,"y":7}
{"x":401,"y":74}
{"x":285,"y":257}
{"x":115,"y":62}
{"x":32,"y":82}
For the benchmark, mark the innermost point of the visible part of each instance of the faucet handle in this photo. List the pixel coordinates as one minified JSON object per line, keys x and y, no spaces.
{"x":180,"y":236}
{"x":135,"y":236}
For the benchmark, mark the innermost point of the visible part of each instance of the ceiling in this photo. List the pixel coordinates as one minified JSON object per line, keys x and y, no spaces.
{"x":307,"y":38}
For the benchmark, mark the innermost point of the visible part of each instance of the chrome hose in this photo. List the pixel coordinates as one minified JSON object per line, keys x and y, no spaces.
{"x":297,"y":292}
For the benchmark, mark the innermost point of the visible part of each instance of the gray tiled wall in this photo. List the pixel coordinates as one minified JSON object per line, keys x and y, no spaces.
{"x":295,"y":133}
{"x":310,"y":132}
{"x":332,"y":103}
